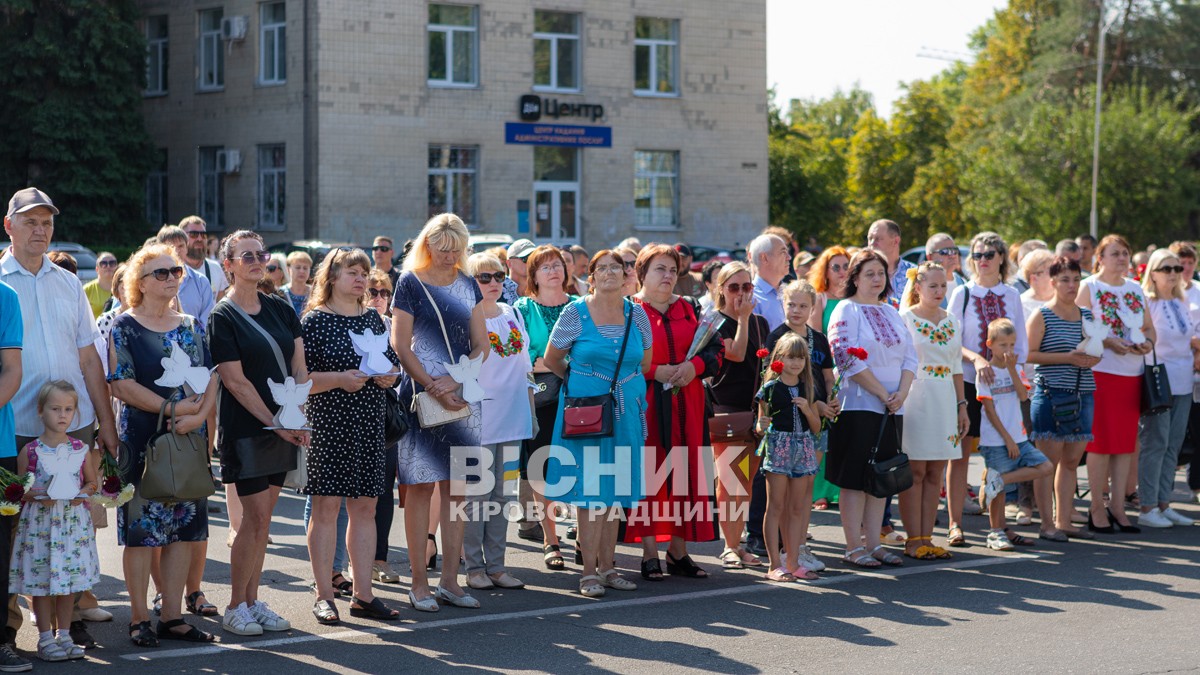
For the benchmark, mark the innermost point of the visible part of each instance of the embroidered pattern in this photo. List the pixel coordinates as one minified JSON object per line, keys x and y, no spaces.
{"x":514,"y":345}
{"x":988,"y":308}
{"x":936,"y":334}
{"x":884,"y":330}
{"x":941,"y":372}
{"x":1175,"y":316}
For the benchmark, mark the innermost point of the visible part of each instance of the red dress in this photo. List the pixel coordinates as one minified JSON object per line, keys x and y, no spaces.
{"x":669,"y":512}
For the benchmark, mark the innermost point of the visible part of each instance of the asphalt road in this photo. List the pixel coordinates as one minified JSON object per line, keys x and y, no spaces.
{"x":1121,"y":604}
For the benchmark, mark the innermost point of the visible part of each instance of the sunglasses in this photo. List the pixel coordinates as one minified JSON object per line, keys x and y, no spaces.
{"x":251,"y":257}
{"x":381,"y":247}
{"x":272,"y":268}
{"x":740,"y":288}
{"x":1168,"y":269}
{"x":489,"y":277}
{"x":378,"y":292}
{"x":838,"y":267}
{"x":950,"y":250}
{"x":983,"y":255}
{"x":630,"y":265}
{"x":163,"y":273}
{"x":197,"y":235}
{"x":106,"y":263}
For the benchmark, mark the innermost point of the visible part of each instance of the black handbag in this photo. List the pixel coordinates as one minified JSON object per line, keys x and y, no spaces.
{"x":592,"y":416}
{"x":546,"y":389}
{"x":891,"y":476}
{"x":1156,"y":388}
{"x":265,"y":454}
{"x":395,"y":417}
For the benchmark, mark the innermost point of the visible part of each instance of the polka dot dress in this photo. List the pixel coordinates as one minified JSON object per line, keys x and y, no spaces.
{"x":346,"y":458}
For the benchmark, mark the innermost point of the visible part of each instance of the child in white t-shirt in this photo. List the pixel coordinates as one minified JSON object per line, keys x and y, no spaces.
{"x":1006,"y":450}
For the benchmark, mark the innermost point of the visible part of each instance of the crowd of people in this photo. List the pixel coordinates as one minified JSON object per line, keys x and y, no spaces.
{"x":819,"y":378}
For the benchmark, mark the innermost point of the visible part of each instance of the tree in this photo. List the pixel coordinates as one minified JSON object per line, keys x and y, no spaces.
{"x":71,"y":112}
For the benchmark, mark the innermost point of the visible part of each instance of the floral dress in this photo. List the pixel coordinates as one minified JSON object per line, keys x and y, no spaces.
{"x":54,"y":552}
{"x":931,"y":410}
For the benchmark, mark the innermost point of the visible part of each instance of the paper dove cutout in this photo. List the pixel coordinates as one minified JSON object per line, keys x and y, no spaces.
{"x":290,"y":397}
{"x":373,"y":350}
{"x":1133,"y":325}
{"x":1094,"y":333}
{"x":466,"y":373}
{"x":62,"y":466}
{"x":179,"y":371}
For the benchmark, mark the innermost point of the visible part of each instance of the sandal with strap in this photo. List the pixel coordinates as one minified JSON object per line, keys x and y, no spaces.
{"x":142,"y":634}
{"x":326,"y":612}
{"x":886,"y":557}
{"x":553,"y":558}
{"x":652,"y":570}
{"x":779,"y":574}
{"x":375,"y":609}
{"x":591,"y":586}
{"x":730,"y":559}
{"x":345,"y":587}
{"x":751,"y":560}
{"x":684,"y":567}
{"x":804,"y":574}
{"x":1018,"y":540}
{"x":955,"y":537}
{"x":193,"y":635}
{"x":864,"y":560}
{"x":941,"y":553}
{"x":200,"y":608}
{"x":612,"y":579}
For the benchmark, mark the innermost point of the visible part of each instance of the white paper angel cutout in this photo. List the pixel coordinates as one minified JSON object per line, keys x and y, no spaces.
{"x":1133,"y":325}
{"x":178,"y":371}
{"x":290,"y":397}
{"x":1094,"y":334}
{"x":373,"y":350}
{"x":62,"y":465}
{"x":466,"y":373}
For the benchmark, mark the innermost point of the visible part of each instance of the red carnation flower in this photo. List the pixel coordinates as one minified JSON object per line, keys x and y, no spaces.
{"x":14,"y":493}
{"x":777,"y":366}
{"x":762,"y":353}
{"x":858,"y":353}
{"x":111,"y":486}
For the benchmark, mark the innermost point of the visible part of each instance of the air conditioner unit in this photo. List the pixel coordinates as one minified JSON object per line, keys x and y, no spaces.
{"x":229,"y":161}
{"x":234,"y":28}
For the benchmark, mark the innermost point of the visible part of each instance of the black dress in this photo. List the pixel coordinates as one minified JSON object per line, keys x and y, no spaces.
{"x":346,"y":457}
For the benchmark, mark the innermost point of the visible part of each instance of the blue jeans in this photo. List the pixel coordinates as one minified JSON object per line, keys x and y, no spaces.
{"x":996,"y":458}
{"x":340,"y":560}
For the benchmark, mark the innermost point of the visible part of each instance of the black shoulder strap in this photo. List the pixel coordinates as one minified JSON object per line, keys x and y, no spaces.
{"x":624,"y":341}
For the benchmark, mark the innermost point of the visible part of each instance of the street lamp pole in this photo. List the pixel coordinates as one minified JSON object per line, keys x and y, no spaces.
{"x":1103,"y":28}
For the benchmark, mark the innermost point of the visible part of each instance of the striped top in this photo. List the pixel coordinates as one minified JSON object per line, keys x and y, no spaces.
{"x":1060,"y":337}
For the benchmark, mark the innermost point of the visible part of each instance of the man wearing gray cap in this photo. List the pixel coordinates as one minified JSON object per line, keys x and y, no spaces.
{"x":518,"y":272}
{"x":58,"y":318}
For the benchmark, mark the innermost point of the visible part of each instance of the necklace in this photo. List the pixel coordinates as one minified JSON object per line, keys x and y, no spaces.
{"x":514,"y":344}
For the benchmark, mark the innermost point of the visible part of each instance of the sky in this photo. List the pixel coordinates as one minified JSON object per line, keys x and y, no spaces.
{"x":817,"y":46}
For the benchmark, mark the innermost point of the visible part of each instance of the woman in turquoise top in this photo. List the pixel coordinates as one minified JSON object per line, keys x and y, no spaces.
{"x":590,"y":332}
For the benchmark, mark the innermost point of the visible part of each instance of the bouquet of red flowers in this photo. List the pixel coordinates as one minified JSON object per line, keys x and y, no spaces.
{"x":855,"y":353}
{"x":113,"y":492}
{"x":14,"y":488}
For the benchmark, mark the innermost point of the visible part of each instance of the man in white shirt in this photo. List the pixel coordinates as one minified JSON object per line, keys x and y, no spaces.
{"x":58,"y":319}
{"x":197,"y":250}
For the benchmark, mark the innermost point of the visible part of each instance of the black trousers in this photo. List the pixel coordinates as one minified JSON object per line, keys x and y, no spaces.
{"x":8,"y":524}
{"x":385,"y":506}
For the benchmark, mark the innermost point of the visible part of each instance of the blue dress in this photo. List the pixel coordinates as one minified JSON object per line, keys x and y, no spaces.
{"x":593,"y":352}
{"x":424,"y":455}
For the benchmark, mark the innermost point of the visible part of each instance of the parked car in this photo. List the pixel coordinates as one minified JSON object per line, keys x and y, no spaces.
{"x":701,"y":255}
{"x":315,"y":248}
{"x":916,"y":255}
{"x":482,"y":242}
{"x":85,"y":258}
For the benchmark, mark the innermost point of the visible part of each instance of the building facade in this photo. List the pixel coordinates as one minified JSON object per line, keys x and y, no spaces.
{"x":564,"y":121}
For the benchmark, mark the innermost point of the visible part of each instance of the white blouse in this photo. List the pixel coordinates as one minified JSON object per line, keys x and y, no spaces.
{"x":975,"y":307}
{"x":506,"y":413}
{"x":1174,"y":328}
{"x":1104,"y":301}
{"x":881,"y":332}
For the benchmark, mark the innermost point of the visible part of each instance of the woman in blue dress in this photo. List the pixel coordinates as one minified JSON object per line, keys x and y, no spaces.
{"x":436,"y":320}
{"x":589,"y":333}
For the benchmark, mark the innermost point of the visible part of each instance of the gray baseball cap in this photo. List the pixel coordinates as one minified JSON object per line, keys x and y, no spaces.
{"x":520,"y":249}
{"x":29,"y":198}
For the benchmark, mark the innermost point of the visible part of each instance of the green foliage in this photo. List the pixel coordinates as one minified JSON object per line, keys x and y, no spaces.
{"x":71,"y":112}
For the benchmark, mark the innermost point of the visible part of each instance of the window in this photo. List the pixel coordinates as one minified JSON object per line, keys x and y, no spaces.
{"x":453,"y":46}
{"x":212,"y":56}
{"x":211,"y":196}
{"x":655,"y":57}
{"x":272,"y":41}
{"x":452,"y":186}
{"x":555,"y":51}
{"x":272,"y":187}
{"x":156,"y":55}
{"x":656,"y":189}
{"x":156,"y":191}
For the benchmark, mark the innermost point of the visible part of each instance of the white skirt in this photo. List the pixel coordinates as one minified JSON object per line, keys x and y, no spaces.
{"x":931,"y":421}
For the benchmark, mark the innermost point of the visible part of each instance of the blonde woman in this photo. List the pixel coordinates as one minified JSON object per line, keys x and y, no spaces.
{"x":433,"y":295}
{"x":277,"y":271}
{"x":299,"y":265}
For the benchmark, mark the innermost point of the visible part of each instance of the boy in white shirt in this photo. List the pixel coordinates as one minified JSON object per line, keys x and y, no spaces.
{"x":1006,"y":450}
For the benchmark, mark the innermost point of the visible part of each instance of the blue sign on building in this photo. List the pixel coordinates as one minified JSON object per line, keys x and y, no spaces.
{"x":560,"y":135}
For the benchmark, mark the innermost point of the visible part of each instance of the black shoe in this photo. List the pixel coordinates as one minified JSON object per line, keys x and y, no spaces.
{"x":756,"y":545}
{"x":11,"y":662}
{"x":1092,"y":527}
{"x":80,"y":636}
{"x":1123,"y":529}
{"x":572,"y":532}
{"x":531,"y":533}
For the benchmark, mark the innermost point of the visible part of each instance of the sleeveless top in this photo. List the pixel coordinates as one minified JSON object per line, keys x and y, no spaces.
{"x":830,"y":303}
{"x":1061,"y":337}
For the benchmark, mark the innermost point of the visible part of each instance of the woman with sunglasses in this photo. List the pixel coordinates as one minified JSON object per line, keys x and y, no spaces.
{"x":100,"y":289}
{"x":549,"y":288}
{"x":277,"y":272}
{"x":985,"y":298}
{"x":249,"y":333}
{"x":733,"y":387}
{"x":629,"y":256}
{"x":1119,"y":302}
{"x":828,"y":276}
{"x":1160,"y":437}
{"x":141,"y":339}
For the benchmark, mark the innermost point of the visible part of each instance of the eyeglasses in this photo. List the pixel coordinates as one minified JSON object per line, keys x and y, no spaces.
{"x":740,"y":288}
{"x":163,"y":273}
{"x":197,"y":234}
{"x":609,"y":269}
{"x":838,"y":267}
{"x":106,"y":263}
{"x":553,"y":267}
{"x":251,"y":257}
{"x":378,"y":292}
{"x":381,"y":247}
{"x":983,"y":255}
{"x":272,"y":268}
{"x":950,"y":250}
{"x":489,"y":277}
{"x":1170,"y":269}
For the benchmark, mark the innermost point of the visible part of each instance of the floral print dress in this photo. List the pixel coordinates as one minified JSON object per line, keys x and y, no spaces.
{"x":931,"y":410}
{"x":54,"y":552}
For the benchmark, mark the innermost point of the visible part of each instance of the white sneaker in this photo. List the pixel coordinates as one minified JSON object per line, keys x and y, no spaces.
{"x":95,"y":614}
{"x":239,"y":621}
{"x":1154,"y":518}
{"x":1176,"y":517}
{"x":993,"y":487}
{"x":267,"y":618}
{"x":809,"y":561}
{"x":998,"y":541}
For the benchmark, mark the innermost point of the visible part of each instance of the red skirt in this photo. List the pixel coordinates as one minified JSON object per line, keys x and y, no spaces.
{"x":1118,"y":401}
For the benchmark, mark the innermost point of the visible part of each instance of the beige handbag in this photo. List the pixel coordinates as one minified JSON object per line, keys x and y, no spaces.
{"x":430,"y":412}
{"x":177,"y":468}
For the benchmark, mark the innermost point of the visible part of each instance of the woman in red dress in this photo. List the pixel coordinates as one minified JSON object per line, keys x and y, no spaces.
{"x":677,"y":511}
